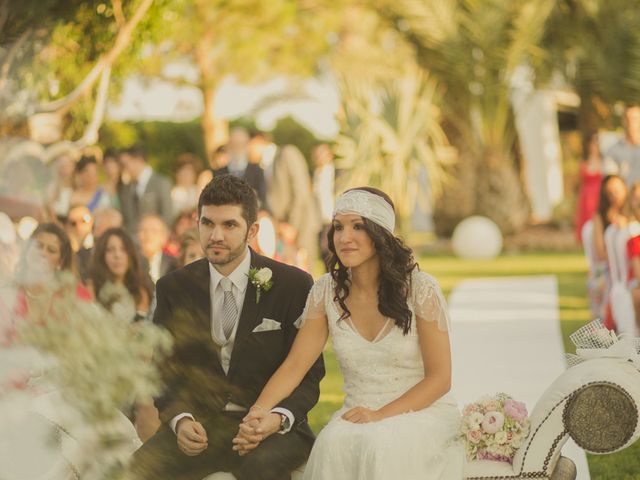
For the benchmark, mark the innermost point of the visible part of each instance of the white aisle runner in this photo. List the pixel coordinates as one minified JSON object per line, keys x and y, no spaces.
{"x":506,"y":338}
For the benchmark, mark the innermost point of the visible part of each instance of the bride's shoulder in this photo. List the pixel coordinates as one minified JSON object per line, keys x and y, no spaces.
{"x":324,"y":281}
{"x":422,"y":279}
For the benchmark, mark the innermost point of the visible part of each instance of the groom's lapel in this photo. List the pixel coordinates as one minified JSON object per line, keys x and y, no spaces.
{"x":248,"y":318}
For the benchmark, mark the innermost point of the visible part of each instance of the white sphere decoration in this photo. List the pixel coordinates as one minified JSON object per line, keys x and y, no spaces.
{"x":477,"y":238}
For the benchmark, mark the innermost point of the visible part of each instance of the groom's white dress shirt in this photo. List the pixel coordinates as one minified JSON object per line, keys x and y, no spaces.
{"x":239,"y":280}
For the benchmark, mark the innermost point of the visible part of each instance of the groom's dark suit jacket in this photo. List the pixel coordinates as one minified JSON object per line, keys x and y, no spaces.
{"x":195,"y":380}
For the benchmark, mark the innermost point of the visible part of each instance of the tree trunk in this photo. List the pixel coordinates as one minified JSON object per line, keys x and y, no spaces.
{"x":488,"y":186}
{"x":215,"y":130}
{"x":500,"y":193}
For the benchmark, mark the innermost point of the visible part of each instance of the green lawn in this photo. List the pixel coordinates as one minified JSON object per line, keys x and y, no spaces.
{"x":570,"y":270}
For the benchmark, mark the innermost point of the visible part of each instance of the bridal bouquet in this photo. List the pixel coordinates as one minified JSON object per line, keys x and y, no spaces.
{"x":493,"y":428}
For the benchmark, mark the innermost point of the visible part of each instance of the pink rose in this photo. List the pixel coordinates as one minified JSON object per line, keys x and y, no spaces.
{"x":491,"y":406}
{"x":474,"y":436}
{"x":493,"y":421}
{"x":469,"y":409}
{"x":515,"y":410}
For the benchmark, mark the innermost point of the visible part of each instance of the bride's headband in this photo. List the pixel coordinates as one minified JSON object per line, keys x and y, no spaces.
{"x":367,"y":205}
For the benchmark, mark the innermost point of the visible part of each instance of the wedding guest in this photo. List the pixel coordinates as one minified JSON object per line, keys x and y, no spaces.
{"x":104,"y":219}
{"x":633,"y":248}
{"x":61,"y":189}
{"x":153,"y":235}
{"x":112,"y":176}
{"x":626,"y":152}
{"x":121,"y":287}
{"x":46,"y":256}
{"x":190,"y":249}
{"x":389,"y":328}
{"x":118,"y":280}
{"x":147,"y":193}
{"x":324,"y":175}
{"x":185,"y":220}
{"x":79,"y":227}
{"x":185,"y":192}
{"x":241,"y":165}
{"x":290,"y":195}
{"x":590,"y":179}
{"x":611,"y":210}
{"x":88,"y":191}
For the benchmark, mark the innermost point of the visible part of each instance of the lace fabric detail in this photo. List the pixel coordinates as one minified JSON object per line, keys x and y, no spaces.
{"x":316,"y":300}
{"x":428,"y":301}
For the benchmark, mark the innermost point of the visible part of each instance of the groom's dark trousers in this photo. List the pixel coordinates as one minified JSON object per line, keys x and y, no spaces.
{"x":197,"y":384}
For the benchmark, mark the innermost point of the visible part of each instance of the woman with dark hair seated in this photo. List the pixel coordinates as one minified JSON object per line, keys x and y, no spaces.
{"x":122,"y":288}
{"x":389,"y":326}
{"x":45,"y":257}
{"x":119,"y":283}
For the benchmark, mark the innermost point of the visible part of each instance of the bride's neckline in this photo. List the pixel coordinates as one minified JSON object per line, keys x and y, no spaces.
{"x":381,"y":335}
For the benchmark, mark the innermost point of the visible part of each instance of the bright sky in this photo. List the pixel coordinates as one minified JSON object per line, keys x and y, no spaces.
{"x":312,"y":102}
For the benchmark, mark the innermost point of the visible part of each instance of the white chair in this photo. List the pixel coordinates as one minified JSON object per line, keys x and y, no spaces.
{"x":620,"y":299}
{"x":595,"y":403}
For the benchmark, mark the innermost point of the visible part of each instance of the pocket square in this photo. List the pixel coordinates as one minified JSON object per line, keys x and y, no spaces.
{"x":268,"y":325}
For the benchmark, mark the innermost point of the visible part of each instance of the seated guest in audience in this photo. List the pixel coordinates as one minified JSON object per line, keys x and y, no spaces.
{"x":104,"y":219}
{"x":119,"y":283}
{"x":123,"y":288}
{"x":611,"y":211}
{"x":88,"y":190}
{"x":186,"y":220}
{"x":153,"y":235}
{"x":185,"y":193}
{"x":190,"y":249}
{"x":79,"y":226}
{"x":633,"y":248}
{"x":45,"y":256}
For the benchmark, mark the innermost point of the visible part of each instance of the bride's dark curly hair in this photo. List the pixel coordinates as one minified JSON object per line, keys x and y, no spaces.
{"x":396,"y":265}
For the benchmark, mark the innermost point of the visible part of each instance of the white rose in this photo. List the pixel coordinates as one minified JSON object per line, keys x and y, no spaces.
{"x":501,"y":437}
{"x":264,"y":275}
{"x":475,"y":420}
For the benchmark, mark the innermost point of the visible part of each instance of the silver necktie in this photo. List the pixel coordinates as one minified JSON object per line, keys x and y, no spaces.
{"x":229,"y":308}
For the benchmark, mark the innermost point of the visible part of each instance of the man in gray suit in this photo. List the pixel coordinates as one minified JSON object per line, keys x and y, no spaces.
{"x":148,"y":192}
{"x":289,"y":191}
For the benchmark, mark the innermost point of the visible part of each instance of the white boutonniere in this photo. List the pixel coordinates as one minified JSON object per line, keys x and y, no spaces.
{"x":261,"y":279}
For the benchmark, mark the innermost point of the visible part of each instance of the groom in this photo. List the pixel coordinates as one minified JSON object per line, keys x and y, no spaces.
{"x":231,"y":333}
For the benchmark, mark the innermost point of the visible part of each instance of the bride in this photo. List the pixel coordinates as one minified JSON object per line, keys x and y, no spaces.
{"x":389,"y":328}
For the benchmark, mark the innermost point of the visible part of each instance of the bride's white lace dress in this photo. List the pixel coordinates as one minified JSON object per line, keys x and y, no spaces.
{"x":417,"y":445}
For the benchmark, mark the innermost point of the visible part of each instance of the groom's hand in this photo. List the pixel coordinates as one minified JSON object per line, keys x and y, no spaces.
{"x":253,"y":430}
{"x":192,"y":437}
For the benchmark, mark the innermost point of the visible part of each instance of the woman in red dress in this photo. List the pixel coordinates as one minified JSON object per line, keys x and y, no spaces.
{"x":590,"y":179}
{"x":46,"y":255}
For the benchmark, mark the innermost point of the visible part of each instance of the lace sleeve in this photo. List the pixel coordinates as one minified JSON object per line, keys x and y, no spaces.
{"x":316,"y":301}
{"x":428,"y":300}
